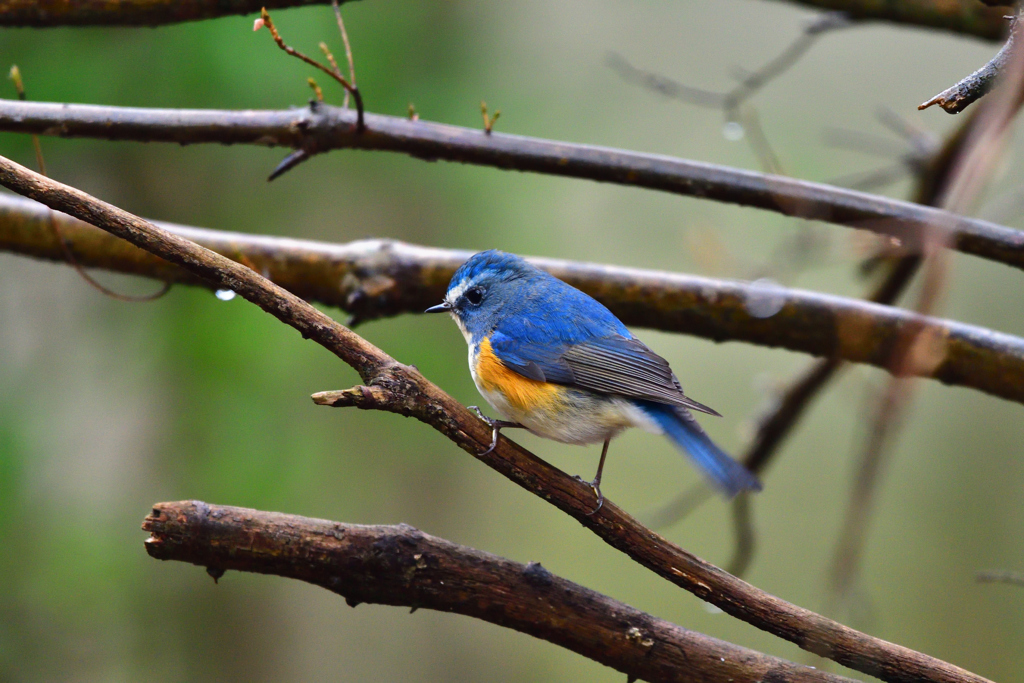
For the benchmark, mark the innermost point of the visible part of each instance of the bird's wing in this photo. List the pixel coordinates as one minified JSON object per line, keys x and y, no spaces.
{"x":611,"y":364}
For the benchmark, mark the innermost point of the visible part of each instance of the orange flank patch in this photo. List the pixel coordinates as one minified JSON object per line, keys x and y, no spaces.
{"x":523,"y":393}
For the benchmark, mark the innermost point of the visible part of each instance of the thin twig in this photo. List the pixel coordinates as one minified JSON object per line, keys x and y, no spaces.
{"x":917,"y":156}
{"x":393,"y":387}
{"x":663,"y":85}
{"x":743,"y":527}
{"x":401,"y":566}
{"x":325,"y":127}
{"x":754,"y":131}
{"x":348,"y":49}
{"x":334,"y":73}
{"x":750,"y":83}
{"x":19,"y":87}
{"x":731,"y":102}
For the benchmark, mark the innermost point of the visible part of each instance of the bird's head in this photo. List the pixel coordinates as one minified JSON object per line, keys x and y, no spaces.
{"x":491,"y":283}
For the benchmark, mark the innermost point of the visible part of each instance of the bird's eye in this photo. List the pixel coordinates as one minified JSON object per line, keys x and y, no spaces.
{"x":475,"y":296}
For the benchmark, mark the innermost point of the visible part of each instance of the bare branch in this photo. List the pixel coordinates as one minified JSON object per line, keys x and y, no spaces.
{"x":732,"y":103}
{"x":323,"y":127}
{"x":334,"y":72}
{"x":348,"y":48}
{"x":958,"y":16}
{"x":131,"y":12}
{"x":917,"y":157}
{"x":750,"y":83}
{"x":959,"y":96}
{"x":376,"y":278}
{"x":403,"y":390}
{"x":401,"y":566}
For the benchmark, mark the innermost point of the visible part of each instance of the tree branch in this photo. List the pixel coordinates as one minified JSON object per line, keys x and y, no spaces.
{"x":320,"y":127}
{"x":401,"y":566}
{"x":968,"y":90}
{"x":131,"y":12}
{"x":376,"y":278}
{"x":402,"y":389}
{"x":958,"y":16}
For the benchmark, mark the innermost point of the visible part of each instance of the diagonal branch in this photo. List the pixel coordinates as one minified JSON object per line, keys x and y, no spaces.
{"x":377,"y":278}
{"x":401,"y":389}
{"x":399,"y":565}
{"x":322,"y":127}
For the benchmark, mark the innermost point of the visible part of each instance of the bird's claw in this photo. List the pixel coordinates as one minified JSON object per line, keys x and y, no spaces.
{"x":495,"y":429}
{"x":595,"y":486}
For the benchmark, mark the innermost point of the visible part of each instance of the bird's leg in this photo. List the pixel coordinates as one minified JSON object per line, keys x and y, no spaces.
{"x":596,"y":484}
{"x":496,"y":427}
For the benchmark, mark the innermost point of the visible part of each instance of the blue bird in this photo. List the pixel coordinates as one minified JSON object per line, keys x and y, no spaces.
{"x":556,"y":362}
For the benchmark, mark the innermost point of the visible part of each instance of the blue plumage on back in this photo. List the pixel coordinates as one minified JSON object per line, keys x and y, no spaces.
{"x":547,"y":331}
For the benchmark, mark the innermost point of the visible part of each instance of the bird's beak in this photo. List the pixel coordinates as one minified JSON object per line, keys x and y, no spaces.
{"x":442,"y":307}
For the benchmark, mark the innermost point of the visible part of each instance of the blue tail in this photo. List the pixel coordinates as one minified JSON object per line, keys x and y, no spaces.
{"x":678,"y":425}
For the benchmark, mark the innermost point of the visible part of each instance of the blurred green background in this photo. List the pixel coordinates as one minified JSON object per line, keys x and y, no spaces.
{"x":108,"y":407}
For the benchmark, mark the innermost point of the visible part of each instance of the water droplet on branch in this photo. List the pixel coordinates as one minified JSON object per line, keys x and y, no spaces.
{"x":765,"y":298}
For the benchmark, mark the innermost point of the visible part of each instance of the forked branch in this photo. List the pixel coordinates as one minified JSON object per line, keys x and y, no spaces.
{"x":333,"y":71}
